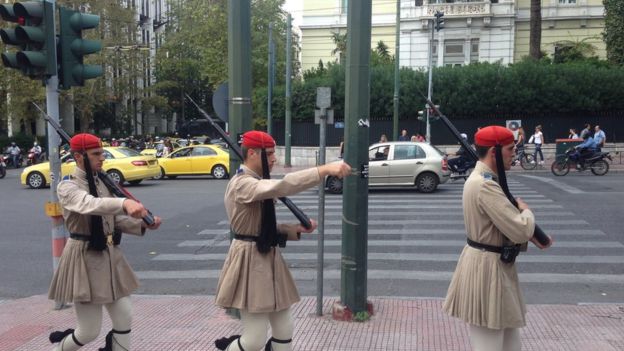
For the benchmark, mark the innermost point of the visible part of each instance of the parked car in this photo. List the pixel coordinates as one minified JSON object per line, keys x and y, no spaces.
{"x":122,"y":164}
{"x":196,"y":160}
{"x":402,"y":164}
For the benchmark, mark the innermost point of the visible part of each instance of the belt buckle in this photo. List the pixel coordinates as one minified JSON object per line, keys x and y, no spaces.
{"x":109,"y":239}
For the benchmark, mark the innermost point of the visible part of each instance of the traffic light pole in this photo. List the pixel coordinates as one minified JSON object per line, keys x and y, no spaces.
{"x":430,"y":89}
{"x":353,"y":284}
{"x":53,"y":208}
{"x":288,"y":117}
{"x":397,"y":72}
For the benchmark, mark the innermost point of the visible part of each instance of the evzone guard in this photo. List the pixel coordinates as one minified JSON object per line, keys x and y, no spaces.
{"x":93,"y":272}
{"x":255,"y":278}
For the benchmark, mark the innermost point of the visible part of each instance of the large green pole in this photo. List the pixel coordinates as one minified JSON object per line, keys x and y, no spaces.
{"x":397,"y":49}
{"x":239,"y":70}
{"x":270,"y":82}
{"x":353,"y":290}
{"x":288,"y":124}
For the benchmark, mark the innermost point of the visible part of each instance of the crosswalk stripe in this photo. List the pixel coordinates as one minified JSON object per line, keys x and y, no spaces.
{"x":334,"y":274}
{"x":408,"y":243}
{"x":285,"y":213}
{"x":395,"y":222}
{"x":336,"y":230}
{"x":410,"y":201}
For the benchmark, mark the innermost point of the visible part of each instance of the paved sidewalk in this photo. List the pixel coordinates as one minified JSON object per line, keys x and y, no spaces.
{"x":189,"y":323}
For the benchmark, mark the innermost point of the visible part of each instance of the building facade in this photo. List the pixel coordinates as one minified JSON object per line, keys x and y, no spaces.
{"x":474,"y":31}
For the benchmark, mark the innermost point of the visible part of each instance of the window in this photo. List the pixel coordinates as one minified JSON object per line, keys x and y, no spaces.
{"x":408,"y":152}
{"x":203,"y":151}
{"x":379,"y":153}
{"x":453,"y":52}
{"x":474,"y":50}
{"x":567,"y":2}
{"x":344,"y":6}
{"x":181,"y":153}
{"x":108,"y":155}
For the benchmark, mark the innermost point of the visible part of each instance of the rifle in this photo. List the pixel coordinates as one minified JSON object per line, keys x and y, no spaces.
{"x":538,"y":233}
{"x":303,"y":219}
{"x":113,"y":186}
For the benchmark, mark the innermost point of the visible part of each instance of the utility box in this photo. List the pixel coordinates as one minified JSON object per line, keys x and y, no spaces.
{"x":562,"y":145}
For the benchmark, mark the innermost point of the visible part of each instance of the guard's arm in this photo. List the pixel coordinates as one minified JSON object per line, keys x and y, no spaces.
{"x":75,"y":199}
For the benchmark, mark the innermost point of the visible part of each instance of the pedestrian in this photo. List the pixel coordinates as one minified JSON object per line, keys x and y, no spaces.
{"x":538,"y":139}
{"x":383,"y":139}
{"x":15,"y":152}
{"x":572,"y":134}
{"x":599,"y":137}
{"x":414,"y":138}
{"x":420,"y":138}
{"x":168,"y":147}
{"x":586,"y":130}
{"x":404,"y":136}
{"x":93,"y":272}
{"x":484,"y":291}
{"x":255,"y":278}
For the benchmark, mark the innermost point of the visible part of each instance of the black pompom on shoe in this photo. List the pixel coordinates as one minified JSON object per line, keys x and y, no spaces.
{"x":58,"y":336}
{"x":223,"y":343}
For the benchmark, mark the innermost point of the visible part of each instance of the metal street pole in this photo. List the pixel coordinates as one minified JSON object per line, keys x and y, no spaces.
{"x":270,"y":82}
{"x":353,"y":283}
{"x":321,"y":217}
{"x":239,"y":71}
{"x":287,"y":127}
{"x":53,"y":208}
{"x":397,"y":78}
{"x":430,"y":89}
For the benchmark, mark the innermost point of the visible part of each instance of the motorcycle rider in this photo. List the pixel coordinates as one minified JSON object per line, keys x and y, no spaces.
{"x":585,"y":150}
{"x":15,"y":152}
{"x":36,"y":149}
{"x":459,"y":162}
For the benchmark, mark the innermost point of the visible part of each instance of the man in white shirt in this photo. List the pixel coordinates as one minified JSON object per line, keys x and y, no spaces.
{"x":599,"y":137}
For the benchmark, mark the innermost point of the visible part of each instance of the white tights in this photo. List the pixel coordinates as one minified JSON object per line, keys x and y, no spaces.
{"x":89,"y":318}
{"x":485,"y":339}
{"x":256,"y":326}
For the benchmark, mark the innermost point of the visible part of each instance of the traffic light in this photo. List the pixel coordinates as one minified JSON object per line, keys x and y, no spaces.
{"x":73,"y":71}
{"x":34,"y":36}
{"x":439,"y":20}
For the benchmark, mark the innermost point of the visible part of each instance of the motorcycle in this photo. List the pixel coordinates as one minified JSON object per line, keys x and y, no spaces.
{"x":463,"y":170}
{"x":596,"y":163}
{"x":2,"y":168}
{"x":8,"y":160}
{"x":34,"y":157}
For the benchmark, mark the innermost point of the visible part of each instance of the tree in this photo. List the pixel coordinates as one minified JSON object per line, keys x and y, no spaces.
{"x":535,"y":34}
{"x":574,"y":50}
{"x":614,"y":30}
{"x":340,"y":40}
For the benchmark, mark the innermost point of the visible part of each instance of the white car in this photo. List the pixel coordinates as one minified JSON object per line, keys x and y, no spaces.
{"x":402,"y":164}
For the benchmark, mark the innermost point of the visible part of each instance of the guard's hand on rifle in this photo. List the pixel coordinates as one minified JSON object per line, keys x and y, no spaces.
{"x":338,"y":169}
{"x":134,"y":209}
{"x":157,"y":222}
{"x":302,"y":229}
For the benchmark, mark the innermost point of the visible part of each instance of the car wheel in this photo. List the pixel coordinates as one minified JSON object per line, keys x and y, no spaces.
{"x":35,"y":180}
{"x":135,"y":182}
{"x":219,"y":172}
{"x":427,"y":182}
{"x":116,"y":175}
{"x":334,"y":185}
{"x":161,"y":175}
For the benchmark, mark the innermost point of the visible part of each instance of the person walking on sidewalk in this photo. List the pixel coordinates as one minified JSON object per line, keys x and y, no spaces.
{"x":484,"y":291}
{"x":255,"y":278}
{"x":92,"y":271}
{"x":538,"y":139}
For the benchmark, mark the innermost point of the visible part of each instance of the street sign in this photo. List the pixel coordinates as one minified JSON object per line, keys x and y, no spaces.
{"x":329,"y":117}
{"x":323,"y":97}
{"x":220,"y":102}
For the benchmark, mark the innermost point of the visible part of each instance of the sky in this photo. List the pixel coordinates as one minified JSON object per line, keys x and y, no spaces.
{"x":295,"y":7}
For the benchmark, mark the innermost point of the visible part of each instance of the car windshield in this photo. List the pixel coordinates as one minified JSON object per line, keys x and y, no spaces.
{"x":127,"y":152}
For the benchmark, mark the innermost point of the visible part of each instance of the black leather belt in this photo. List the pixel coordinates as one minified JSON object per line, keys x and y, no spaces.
{"x":82,"y":237}
{"x":486,"y":247}
{"x":245,"y":237}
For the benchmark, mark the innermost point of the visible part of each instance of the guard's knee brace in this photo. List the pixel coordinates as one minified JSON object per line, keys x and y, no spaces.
{"x":60,"y":336}
{"x":117,"y":340}
{"x":279,"y":344}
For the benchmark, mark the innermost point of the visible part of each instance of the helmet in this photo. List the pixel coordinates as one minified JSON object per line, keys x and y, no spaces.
{"x":35,"y":143}
{"x":12,"y":143}
{"x":464,"y":136}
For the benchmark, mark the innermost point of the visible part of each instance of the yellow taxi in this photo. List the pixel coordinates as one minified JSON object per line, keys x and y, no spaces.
{"x":196,"y":160}
{"x":158,"y":146}
{"x":122,"y":164}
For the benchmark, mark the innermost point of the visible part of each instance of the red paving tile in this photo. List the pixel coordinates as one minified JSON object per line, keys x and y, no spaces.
{"x":190,"y":323}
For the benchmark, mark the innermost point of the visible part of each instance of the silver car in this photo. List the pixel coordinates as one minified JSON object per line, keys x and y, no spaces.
{"x":399,"y":164}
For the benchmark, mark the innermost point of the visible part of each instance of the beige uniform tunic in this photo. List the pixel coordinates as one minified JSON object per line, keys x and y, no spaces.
{"x":86,"y":275}
{"x":484,"y":291}
{"x":250,"y":280}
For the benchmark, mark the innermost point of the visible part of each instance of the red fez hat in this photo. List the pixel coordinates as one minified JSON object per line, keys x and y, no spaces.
{"x":255,"y":139}
{"x":84,"y":142}
{"x":494,"y":135}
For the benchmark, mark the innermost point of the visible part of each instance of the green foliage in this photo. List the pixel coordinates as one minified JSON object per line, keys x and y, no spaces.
{"x":476,"y":90}
{"x":614,"y":30}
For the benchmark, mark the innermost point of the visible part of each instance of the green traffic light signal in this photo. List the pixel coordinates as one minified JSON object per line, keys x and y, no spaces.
{"x":73,"y":48}
{"x":34,"y":36}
